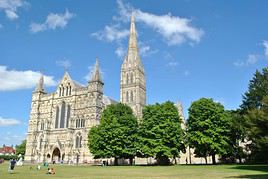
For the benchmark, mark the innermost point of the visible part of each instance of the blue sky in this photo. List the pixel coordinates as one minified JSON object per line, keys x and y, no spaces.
{"x":190,"y":49}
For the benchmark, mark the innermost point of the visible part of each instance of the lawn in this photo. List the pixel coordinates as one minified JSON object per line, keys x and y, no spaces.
{"x":179,"y":171}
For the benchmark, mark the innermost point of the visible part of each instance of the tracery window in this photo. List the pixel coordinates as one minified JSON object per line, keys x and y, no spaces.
{"x":62,"y":115}
{"x":78,"y":141}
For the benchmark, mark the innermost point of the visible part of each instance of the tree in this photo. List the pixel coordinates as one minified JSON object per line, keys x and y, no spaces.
{"x":116,"y":135}
{"x":257,"y":132}
{"x":20,"y":149}
{"x":208,"y":128}
{"x":255,"y":113}
{"x":237,"y":135}
{"x":257,"y":90}
{"x":160,"y":133}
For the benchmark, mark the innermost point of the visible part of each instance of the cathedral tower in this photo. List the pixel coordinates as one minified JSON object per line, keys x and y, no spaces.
{"x":132,"y":84}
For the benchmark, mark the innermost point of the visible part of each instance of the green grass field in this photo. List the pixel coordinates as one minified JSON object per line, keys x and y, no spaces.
{"x":179,"y":171}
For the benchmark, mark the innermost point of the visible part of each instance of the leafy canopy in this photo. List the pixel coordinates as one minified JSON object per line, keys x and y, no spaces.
{"x":116,"y":135}
{"x":257,"y":90}
{"x":257,"y":132}
{"x":160,"y":133}
{"x":208,"y":128}
{"x":20,"y":149}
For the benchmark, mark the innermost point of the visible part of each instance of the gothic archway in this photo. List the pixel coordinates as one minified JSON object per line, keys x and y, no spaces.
{"x":56,"y":155}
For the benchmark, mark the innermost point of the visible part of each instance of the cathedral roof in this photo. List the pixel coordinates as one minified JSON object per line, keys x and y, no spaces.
{"x":67,"y":79}
{"x":107,"y":101}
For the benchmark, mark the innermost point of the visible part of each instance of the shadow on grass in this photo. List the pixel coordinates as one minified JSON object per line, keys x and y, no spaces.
{"x":259,"y":168}
{"x":257,"y":176}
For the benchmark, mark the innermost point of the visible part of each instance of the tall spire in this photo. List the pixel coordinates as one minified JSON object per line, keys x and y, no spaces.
{"x":96,"y":76}
{"x":132,"y":44}
{"x":40,"y":84}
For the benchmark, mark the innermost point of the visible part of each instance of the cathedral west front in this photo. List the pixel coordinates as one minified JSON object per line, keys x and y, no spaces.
{"x":60,"y":121}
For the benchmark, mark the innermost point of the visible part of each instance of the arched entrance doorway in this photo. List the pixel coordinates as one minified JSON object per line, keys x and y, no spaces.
{"x":56,"y":155}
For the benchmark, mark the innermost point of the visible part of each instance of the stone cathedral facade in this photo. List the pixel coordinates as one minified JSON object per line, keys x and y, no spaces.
{"x":60,"y":121}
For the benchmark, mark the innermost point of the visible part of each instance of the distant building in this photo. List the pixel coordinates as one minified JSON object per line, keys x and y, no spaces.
{"x":7,"y":150}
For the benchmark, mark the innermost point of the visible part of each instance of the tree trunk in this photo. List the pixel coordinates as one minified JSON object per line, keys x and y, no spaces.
{"x":115,"y":161}
{"x":240,"y":160}
{"x":213,"y":159}
{"x":175,"y":160}
{"x":131,"y":161}
{"x":206,"y":160}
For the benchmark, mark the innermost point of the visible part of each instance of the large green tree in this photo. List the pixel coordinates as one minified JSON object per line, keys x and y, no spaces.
{"x":20,"y":149}
{"x":116,"y":135}
{"x":236,"y":136}
{"x":254,"y":111}
{"x":257,"y":90}
{"x":257,"y":132}
{"x":208,"y":128}
{"x":160,"y":133}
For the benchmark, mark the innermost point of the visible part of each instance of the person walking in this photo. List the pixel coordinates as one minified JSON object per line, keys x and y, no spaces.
{"x":12,"y":164}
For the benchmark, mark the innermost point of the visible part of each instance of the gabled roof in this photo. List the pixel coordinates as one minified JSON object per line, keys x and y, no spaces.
{"x":7,"y":149}
{"x":67,"y":79}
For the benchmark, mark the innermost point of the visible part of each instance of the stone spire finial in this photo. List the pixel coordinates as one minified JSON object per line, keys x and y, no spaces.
{"x":40,"y":84}
{"x":96,"y":76}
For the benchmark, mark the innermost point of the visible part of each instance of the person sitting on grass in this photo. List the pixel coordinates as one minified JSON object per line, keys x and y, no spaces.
{"x":50,"y":171}
{"x":53,"y":171}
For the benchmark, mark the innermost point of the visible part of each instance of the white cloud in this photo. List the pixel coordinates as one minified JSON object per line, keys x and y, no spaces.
{"x":172,"y":64}
{"x":8,"y":122}
{"x":145,"y":49}
{"x":65,"y":63}
{"x":111,"y":33}
{"x":120,"y":52}
{"x":37,"y":27}
{"x":16,"y":80}
{"x":10,"y":7}
{"x":251,"y":60}
{"x":175,"y":30}
{"x":53,"y":22}
{"x":11,"y":14}
{"x":265,"y":44}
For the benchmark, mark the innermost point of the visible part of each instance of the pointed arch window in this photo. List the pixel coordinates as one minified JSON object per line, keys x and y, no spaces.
{"x":57,"y":118}
{"x":131,"y":78}
{"x":78,"y":141}
{"x":60,"y":92}
{"x":127,"y":79}
{"x":40,"y":143}
{"x":70,"y":90}
{"x":83,"y":123}
{"x":68,"y":115}
{"x":67,"y":90}
{"x":42,"y":126}
{"x":127,"y":97}
{"x":62,"y":115}
{"x":131,"y":96}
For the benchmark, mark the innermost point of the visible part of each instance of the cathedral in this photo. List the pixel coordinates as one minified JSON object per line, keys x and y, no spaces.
{"x":60,"y":121}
